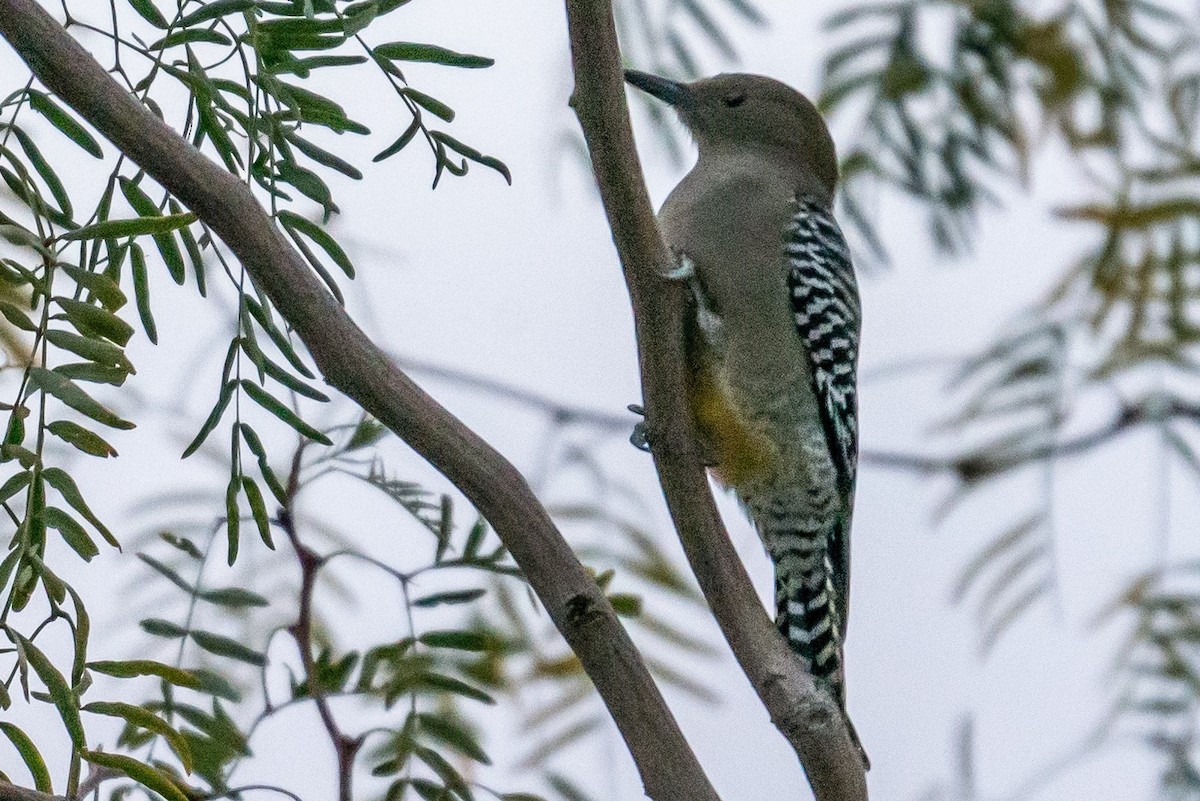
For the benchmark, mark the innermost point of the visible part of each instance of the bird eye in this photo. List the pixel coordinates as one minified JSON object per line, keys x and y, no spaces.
{"x":735,"y":100}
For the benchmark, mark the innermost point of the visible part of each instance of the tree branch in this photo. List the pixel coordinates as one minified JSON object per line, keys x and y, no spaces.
{"x":12,"y":792}
{"x":806,"y":716}
{"x":350,"y":362}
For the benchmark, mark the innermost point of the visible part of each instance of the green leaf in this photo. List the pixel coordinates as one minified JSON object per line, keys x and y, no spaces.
{"x":258,"y":509}
{"x":462,"y":640}
{"x":270,"y":368}
{"x":454,"y":735}
{"x":71,"y":531}
{"x":24,"y":456}
{"x":471,"y":153}
{"x":149,"y":12}
{"x":171,"y":576}
{"x":320,"y":268}
{"x":7,"y":566}
{"x":56,"y":686}
{"x":193,"y":250}
{"x":181,"y":544}
{"x":214,"y":10}
{"x":309,"y":184}
{"x":81,"y":438}
{"x":381,"y":6}
{"x":275,"y":407}
{"x":291,"y":382}
{"x":45,"y":170}
{"x":401,"y":141}
{"x":16,"y":316}
{"x":191,"y":36}
{"x":64,"y":122}
{"x":474,"y":540}
{"x":141,"y":292}
{"x":411,"y":51}
{"x":322,"y":156}
{"x":93,"y":373}
{"x":437,"y":681}
{"x":149,"y":777}
{"x":302,"y":66}
{"x":430,"y":104}
{"x":439,"y":598}
{"x":133,"y":668}
{"x":216,"y":685}
{"x":104,"y":289}
{"x":13,"y":485}
{"x":366,"y":433}
{"x":167,"y":246}
{"x":445,"y":772}
{"x":30,"y":756}
{"x":15,"y":434}
{"x":297,"y":225}
{"x":318,"y":110}
{"x":73,"y":396}
{"x":225,"y":646}
{"x":214,"y":417}
{"x":83,"y":632}
{"x":234,"y":598}
{"x":163,"y":628}
{"x":277,"y":336}
{"x":88,"y":318}
{"x":256,"y":446}
{"x":145,"y":719}
{"x":109,"y":229}
{"x":66,"y":487}
{"x":626,"y":604}
{"x":233,"y":517}
{"x":95,"y":350}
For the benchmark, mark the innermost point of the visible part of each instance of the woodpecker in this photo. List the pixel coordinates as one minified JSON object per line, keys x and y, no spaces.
{"x":772,"y":347}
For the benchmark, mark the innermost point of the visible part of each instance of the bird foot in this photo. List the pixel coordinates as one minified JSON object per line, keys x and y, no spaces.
{"x":684,"y":270}
{"x":640,"y":438}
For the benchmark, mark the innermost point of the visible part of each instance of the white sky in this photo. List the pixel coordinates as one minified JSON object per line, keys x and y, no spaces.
{"x":521,"y":284}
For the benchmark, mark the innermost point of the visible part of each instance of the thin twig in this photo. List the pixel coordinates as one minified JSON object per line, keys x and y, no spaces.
{"x":345,"y":747}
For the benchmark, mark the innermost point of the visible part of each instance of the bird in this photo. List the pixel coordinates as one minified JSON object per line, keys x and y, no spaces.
{"x":772,"y":345}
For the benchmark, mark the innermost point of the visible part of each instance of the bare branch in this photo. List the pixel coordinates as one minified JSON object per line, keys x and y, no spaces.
{"x":807,"y":717}
{"x":11,"y":792}
{"x":353,"y":364}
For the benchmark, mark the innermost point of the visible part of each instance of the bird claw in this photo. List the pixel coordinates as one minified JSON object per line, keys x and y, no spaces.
{"x":640,"y":438}
{"x":684,"y":270}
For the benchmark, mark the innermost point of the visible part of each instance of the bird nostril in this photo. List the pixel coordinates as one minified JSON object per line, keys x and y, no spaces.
{"x":735,"y":100}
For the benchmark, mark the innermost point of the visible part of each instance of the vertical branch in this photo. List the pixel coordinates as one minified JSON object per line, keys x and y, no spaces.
{"x":345,"y":747}
{"x":807,"y":717}
{"x":353,"y":364}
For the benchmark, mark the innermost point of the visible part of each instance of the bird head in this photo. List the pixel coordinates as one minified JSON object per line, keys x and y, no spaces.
{"x":737,"y":111}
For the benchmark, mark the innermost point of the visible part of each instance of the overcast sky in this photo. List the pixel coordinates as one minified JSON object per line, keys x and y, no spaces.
{"x":520,"y":284}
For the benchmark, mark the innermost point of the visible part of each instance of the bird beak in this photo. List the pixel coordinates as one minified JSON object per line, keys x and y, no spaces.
{"x":668,"y":91}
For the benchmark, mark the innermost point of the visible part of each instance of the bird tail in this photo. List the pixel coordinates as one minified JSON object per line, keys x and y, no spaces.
{"x":807,"y":610}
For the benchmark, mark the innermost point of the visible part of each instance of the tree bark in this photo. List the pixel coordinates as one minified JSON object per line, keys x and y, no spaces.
{"x":807,"y":717}
{"x":12,"y":792}
{"x":353,"y":364}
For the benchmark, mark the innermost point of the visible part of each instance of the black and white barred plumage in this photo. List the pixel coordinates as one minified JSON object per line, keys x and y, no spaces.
{"x":813,"y":559}
{"x":825,"y":303}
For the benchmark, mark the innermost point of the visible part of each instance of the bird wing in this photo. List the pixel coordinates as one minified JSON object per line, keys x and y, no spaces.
{"x":826,"y":310}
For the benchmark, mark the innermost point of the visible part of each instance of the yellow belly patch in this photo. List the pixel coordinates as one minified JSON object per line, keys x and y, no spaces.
{"x":740,"y":453}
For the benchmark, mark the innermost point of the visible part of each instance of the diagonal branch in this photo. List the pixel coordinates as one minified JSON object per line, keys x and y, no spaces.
{"x":353,"y":364}
{"x":807,"y":717}
{"x":11,"y":792}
